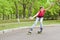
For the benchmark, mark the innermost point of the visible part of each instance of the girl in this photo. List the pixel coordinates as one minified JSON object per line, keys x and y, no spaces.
{"x":39,"y":17}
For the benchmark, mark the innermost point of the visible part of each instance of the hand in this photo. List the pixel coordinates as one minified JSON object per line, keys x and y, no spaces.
{"x":30,"y":18}
{"x":52,"y":4}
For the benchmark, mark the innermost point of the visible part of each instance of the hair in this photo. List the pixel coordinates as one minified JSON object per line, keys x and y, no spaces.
{"x":41,"y":7}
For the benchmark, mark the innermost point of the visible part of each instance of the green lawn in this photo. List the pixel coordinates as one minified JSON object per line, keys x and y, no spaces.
{"x":9,"y":25}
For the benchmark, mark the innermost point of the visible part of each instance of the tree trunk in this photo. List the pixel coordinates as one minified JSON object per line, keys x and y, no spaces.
{"x":24,"y":7}
{"x":8,"y":17}
{"x":30,"y":10}
{"x":17,"y":15}
{"x":3,"y":14}
{"x":11,"y":15}
{"x":59,"y":12}
{"x":0,"y":16}
{"x":16,"y":9}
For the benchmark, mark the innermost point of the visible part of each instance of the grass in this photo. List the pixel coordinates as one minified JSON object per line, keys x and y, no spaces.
{"x":8,"y":25}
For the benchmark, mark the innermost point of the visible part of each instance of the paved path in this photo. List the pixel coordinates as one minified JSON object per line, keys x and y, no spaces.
{"x":49,"y":33}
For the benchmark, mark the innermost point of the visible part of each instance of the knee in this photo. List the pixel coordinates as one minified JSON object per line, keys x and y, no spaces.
{"x":40,"y":21}
{"x":35,"y":23}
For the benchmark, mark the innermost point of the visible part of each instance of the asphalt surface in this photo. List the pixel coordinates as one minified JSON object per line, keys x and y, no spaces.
{"x":49,"y":33}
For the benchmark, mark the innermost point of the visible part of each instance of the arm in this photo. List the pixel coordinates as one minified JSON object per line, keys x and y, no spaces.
{"x":34,"y":16}
{"x":51,"y":5}
{"x":48,"y":7}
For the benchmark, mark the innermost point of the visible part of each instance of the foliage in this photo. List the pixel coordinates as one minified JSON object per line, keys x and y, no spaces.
{"x":27,"y":8}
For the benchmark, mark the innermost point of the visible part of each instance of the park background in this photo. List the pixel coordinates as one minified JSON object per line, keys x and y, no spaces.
{"x":16,"y":13}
